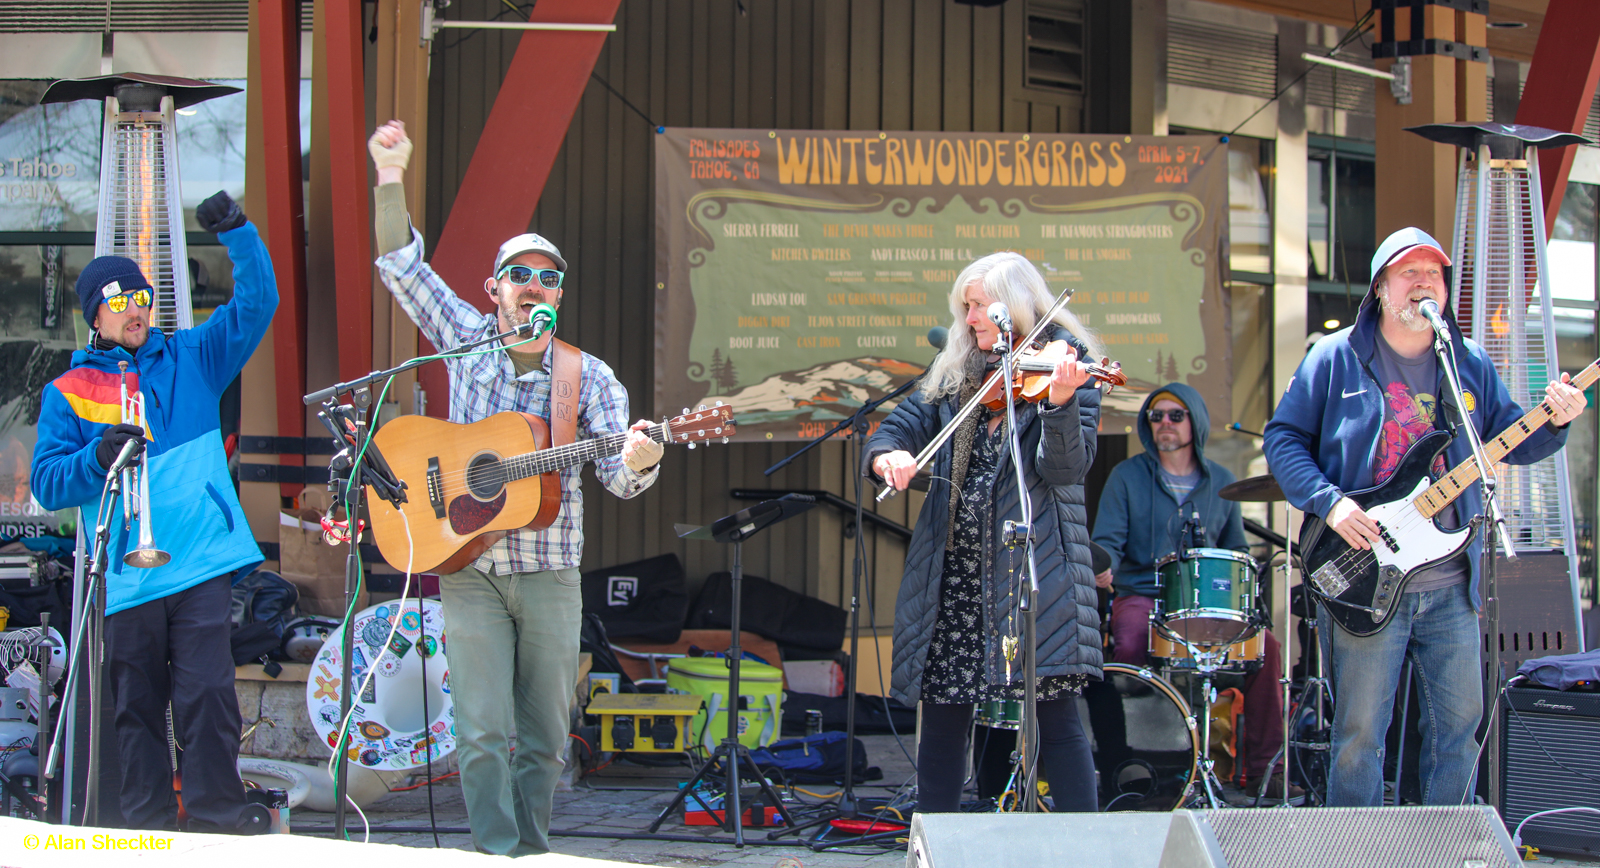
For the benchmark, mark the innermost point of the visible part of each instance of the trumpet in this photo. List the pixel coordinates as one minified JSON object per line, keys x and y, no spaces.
{"x":136,"y":489}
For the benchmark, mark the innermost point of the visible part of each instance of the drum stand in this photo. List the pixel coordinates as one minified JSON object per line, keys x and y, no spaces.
{"x":1206,"y":664}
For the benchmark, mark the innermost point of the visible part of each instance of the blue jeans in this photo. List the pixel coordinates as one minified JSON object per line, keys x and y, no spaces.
{"x":1439,"y":631}
{"x":513,"y":651}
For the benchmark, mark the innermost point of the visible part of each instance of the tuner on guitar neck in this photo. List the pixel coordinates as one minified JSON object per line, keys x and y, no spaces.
{"x":718,"y":418}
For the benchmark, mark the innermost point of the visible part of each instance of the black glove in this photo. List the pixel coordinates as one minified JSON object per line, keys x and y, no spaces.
{"x":111,"y":443}
{"x":219,"y":213}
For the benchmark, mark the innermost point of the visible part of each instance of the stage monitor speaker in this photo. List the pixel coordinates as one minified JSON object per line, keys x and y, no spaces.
{"x":1538,"y":730}
{"x":1408,"y":837}
{"x":1119,"y":840}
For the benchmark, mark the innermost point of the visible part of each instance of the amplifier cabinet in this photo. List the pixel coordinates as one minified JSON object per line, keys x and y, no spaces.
{"x":1541,"y":731}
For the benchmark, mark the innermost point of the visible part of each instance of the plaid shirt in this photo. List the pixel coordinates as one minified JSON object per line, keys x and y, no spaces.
{"x":482,"y":385}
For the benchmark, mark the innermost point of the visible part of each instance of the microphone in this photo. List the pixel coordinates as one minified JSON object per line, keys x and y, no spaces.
{"x":1430,"y":309}
{"x":937,"y":336}
{"x":542,"y":320}
{"x":1001,"y":317}
{"x":130,"y":451}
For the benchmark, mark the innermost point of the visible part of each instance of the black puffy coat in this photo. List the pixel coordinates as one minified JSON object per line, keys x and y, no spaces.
{"x":1062,"y":441}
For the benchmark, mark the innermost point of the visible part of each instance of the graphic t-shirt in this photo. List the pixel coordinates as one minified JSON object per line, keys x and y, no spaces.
{"x":1409,"y":408}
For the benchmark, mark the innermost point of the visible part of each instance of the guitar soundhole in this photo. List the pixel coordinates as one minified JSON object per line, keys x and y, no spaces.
{"x":468,"y":515}
{"x":485,"y":476}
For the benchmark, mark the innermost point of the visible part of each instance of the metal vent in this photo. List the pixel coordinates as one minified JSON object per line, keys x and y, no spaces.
{"x":132,"y":15}
{"x":1216,"y":57}
{"x":1502,"y":301}
{"x":1338,"y":89}
{"x":1055,"y":46}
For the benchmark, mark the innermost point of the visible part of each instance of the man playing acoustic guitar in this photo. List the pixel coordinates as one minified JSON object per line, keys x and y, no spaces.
{"x":514,"y":614}
{"x":1359,"y":400}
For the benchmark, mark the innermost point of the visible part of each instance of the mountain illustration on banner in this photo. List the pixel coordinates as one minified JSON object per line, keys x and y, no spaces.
{"x":826,"y":391}
{"x":833,"y":390}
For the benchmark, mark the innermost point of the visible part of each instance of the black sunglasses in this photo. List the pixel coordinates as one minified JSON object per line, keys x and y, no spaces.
{"x":1174,"y":416}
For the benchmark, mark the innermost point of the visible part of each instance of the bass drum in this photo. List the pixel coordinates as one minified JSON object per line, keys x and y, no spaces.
{"x":1144,"y":738}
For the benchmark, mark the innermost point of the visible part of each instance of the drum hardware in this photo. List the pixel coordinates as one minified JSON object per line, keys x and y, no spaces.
{"x":1208,"y":596}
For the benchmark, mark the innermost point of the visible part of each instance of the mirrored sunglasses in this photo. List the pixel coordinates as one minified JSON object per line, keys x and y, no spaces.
{"x":119,"y":303}
{"x":522,"y":275}
{"x":1174,"y":416}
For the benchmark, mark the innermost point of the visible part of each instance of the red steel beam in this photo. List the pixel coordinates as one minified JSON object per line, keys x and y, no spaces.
{"x":518,"y":146}
{"x":352,"y":225}
{"x":1560,"y":89}
{"x":285,"y":218}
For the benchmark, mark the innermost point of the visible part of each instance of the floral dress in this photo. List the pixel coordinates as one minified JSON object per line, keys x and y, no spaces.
{"x":955,"y":672}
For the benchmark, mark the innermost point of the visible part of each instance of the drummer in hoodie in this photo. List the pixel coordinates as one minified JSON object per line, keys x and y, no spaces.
{"x":1142,"y":512}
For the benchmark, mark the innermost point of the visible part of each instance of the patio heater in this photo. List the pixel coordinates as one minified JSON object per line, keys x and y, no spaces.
{"x":140,"y":217}
{"x":1501,"y":298}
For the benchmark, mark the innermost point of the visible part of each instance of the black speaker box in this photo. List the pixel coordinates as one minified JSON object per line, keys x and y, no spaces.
{"x":1550,"y":755}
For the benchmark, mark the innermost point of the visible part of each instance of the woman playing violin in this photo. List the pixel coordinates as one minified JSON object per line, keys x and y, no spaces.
{"x":957,"y":626}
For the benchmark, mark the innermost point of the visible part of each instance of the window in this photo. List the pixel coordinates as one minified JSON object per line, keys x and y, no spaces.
{"x":1341,"y":219}
{"x":1055,"y":46}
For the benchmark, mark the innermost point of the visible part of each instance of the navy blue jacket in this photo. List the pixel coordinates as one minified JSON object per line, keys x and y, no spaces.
{"x":1323,"y":437}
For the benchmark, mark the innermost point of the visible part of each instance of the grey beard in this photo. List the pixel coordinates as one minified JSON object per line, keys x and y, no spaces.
{"x":1169,"y":446}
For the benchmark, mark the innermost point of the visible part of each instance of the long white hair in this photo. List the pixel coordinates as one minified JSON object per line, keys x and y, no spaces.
{"x":1005,"y":277}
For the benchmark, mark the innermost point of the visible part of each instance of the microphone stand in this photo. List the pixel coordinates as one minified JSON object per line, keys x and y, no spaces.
{"x":1488,"y":562}
{"x":848,"y":807}
{"x":1025,"y":759}
{"x":355,"y":465}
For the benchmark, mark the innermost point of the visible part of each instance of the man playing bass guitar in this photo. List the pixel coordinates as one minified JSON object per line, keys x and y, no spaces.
{"x":1359,"y":400}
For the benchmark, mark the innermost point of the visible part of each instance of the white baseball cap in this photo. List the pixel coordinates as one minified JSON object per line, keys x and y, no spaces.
{"x":528,"y":243}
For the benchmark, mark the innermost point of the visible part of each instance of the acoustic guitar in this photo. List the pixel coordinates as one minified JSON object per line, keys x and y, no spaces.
{"x":468,"y":485}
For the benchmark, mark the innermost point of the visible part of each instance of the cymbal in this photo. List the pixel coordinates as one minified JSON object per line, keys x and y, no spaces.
{"x":1256,"y":489}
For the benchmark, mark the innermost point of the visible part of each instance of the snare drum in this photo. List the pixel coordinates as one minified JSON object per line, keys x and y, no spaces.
{"x":1207,"y":596}
{"x":1166,"y":653}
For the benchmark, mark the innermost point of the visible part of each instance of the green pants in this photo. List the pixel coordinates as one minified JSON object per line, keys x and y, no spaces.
{"x":513,"y":651}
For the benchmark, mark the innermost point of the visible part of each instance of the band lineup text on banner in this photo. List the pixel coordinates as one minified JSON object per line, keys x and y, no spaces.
{"x":798,"y":272}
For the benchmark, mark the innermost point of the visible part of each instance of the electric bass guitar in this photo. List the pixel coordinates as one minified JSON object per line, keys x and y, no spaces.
{"x":1360,"y":586}
{"x":468,"y":485}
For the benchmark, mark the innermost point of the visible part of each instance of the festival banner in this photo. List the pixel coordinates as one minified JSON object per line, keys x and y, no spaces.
{"x":799,"y":272}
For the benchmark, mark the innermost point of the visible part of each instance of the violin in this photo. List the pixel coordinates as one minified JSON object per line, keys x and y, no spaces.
{"x":1031,"y":375}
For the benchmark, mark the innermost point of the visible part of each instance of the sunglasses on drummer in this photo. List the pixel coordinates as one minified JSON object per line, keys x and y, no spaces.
{"x":1173,"y":416}
{"x":522,"y":275}
{"x":119,"y":303}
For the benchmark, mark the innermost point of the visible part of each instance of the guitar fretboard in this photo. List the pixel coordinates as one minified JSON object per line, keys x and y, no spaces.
{"x":562,"y":457}
{"x":1444,"y":492}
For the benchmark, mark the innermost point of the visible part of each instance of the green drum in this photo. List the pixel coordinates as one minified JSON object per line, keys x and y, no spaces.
{"x":1207,"y":597}
{"x":1000,"y":714}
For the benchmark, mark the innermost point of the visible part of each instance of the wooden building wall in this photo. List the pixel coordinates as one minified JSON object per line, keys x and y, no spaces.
{"x":762,"y":64}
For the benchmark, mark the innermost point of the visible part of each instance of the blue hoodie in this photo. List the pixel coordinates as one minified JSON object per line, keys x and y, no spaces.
{"x":1323,"y":436}
{"x":1139,"y":518}
{"x":195,"y":514}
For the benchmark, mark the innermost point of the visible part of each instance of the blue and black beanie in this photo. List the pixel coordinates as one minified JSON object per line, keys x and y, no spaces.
{"x":104,"y":277}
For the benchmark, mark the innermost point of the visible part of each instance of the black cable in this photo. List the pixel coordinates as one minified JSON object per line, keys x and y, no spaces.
{"x":618,"y":94}
{"x":1354,"y":32}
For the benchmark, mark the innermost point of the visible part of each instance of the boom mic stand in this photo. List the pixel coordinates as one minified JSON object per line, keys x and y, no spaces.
{"x":1488,"y":563}
{"x":1026,"y":759}
{"x":848,"y":807}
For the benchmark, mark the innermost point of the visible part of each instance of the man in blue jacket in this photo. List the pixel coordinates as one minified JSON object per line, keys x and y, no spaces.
{"x":1358,"y":401}
{"x":167,"y":628}
{"x":1142,"y":515}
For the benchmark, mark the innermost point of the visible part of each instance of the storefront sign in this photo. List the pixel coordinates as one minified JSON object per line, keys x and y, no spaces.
{"x":798,"y":272}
